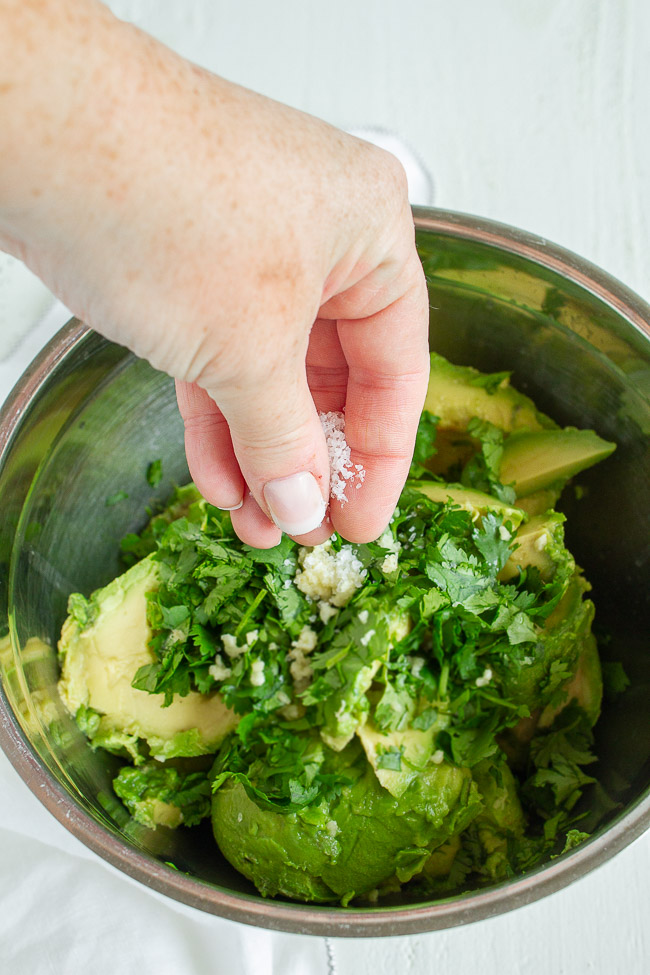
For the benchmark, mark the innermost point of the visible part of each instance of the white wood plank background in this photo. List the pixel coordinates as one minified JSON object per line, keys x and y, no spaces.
{"x":532,"y":112}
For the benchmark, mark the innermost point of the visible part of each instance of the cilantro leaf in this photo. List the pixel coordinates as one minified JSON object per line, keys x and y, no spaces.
{"x":482,"y":470}
{"x":155,"y":473}
{"x":393,"y":709}
{"x":558,"y":757}
{"x":424,"y":449}
{"x":425,"y":720}
{"x":389,"y":757}
{"x":491,"y":381}
{"x":574,"y":837}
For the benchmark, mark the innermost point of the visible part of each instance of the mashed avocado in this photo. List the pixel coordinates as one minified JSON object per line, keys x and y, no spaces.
{"x":415,"y":711}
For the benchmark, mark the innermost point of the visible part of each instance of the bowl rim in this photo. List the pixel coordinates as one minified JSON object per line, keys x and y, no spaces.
{"x":590,"y":277}
{"x":333,"y":920}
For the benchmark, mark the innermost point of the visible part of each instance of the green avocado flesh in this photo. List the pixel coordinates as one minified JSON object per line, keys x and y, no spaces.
{"x":534,"y":460}
{"x":459,"y":394}
{"x":351,"y":845}
{"x":410,"y":716}
{"x":476,"y":502}
{"x":102,"y":646}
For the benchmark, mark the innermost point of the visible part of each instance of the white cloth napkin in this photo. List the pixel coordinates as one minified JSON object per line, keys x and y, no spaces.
{"x":65,"y":911}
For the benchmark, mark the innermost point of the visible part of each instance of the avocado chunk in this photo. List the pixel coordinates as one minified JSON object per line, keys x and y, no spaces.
{"x":412,"y":748}
{"x":439,"y":864}
{"x":535,"y":460}
{"x":103,"y":643}
{"x":346,"y":710}
{"x":539,"y":502}
{"x":458,"y":394}
{"x":475,"y":502}
{"x":161,"y":795}
{"x":539,"y":543}
{"x":350,"y":844}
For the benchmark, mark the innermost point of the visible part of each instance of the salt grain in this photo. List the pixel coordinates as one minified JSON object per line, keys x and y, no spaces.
{"x":342,"y":470}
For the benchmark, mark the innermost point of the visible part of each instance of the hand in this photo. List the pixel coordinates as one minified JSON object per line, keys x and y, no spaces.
{"x":261,"y":257}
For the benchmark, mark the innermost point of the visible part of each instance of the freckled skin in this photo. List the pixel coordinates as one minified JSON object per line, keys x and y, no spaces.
{"x":244,"y":247}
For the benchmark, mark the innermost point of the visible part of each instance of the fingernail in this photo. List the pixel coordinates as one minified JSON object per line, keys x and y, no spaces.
{"x":234,"y":507}
{"x":295,"y":503}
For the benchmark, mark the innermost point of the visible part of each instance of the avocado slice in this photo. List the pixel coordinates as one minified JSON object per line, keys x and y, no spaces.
{"x":346,"y":710}
{"x":439,"y":864}
{"x":415,"y":746}
{"x":458,"y":394}
{"x":539,"y":543}
{"x":164,"y":795}
{"x":535,"y":459}
{"x":476,"y":502}
{"x":539,"y":502}
{"x":101,"y":647}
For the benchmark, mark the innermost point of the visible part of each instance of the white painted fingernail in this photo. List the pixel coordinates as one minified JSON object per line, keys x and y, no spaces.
{"x":295,"y":503}
{"x":235,"y":507}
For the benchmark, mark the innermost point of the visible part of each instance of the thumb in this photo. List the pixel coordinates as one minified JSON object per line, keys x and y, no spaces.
{"x":280,"y":447}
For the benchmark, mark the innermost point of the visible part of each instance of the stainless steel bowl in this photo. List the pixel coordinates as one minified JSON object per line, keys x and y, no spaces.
{"x":86,"y":419}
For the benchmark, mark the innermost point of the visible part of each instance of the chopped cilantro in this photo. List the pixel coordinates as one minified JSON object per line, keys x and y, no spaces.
{"x":425,"y":448}
{"x":558,"y":757}
{"x":574,"y":837}
{"x":155,"y":473}
{"x":491,"y":381}
{"x":144,"y":789}
{"x":426,"y":719}
{"x":80,"y":609}
{"x":482,"y":470}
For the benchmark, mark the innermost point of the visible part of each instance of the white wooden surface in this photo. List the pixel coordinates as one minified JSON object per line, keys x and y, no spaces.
{"x":532,"y":112}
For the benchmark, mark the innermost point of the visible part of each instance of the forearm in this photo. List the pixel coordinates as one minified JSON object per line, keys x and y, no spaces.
{"x":56,"y":106}
{"x":101,"y":127}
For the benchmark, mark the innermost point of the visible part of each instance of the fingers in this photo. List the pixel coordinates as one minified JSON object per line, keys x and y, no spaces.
{"x":264,"y":445}
{"x":253,"y":526}
{"x":387,"y":356}
{"x":215,"y":470}
{"x":208,"y":447}
{"x":280,"y":447}
{"x":270,"y":437}
{"x":327,"y":369}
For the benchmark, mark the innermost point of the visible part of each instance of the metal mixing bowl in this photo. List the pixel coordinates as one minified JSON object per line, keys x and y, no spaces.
{"x":87,"y":418}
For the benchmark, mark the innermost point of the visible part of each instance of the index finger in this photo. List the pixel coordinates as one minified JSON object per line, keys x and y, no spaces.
{"x":388,"y":361}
